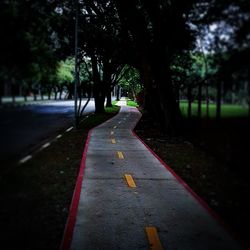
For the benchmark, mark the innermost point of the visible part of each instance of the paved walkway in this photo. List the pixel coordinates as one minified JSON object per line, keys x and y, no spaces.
{"x":130,"y":200}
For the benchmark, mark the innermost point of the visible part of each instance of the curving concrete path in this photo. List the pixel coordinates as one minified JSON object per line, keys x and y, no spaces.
{"x":130,"y":200}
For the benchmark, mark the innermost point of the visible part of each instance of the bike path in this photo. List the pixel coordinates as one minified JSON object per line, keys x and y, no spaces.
{"x":128,"y":199}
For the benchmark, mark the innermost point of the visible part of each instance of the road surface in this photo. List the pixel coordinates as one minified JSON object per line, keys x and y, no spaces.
{"x":23,"y":129}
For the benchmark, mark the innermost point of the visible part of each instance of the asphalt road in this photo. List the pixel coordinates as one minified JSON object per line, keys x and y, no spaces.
{"x":23,"y":129}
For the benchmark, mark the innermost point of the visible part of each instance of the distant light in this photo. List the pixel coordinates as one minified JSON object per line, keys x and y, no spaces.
{"x":59,"y":10}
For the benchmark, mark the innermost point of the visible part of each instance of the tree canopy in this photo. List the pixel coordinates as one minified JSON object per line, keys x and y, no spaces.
{"x":163,"y":47}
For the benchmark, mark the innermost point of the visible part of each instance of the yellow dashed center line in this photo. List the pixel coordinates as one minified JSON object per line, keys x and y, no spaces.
{"x":153,"y":238}
{"x":130,"y":180}
{"x":113,"y":141}
{"x":120,"y":155}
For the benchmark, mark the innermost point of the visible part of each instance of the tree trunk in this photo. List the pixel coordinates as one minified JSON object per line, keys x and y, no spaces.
{"x":118,"y":93}
{"x":49,"y":94}
{"x":199,"y":100}
{"x":218,"y":100}
{"x":248,"y":109}
{"x":169,"y":108}
{"x":99,"y":104}
{"x":85,"y":105}
{"x":146,"y":81}
{"x":109,"y":99}
{"x":13,"y":90}
{"x":70,"y":91}
{"x":99,"y":93}
{"x":178,"y":97}
{"x":55,"y":97}
{"x":207,"y":101}
{"x":106,"y":82}
{"x":166,"y":107}
{"x":233,"y":94}
{"x":189,"y":96}
{"x":248,"y":99}
{"x":133,"y":94}
{"x":60,"y":93}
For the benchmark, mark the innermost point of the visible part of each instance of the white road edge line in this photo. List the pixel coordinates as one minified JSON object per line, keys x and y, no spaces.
{"x":67,"y":130}
{"x":45,"y":145}
{"x":28,"y":157}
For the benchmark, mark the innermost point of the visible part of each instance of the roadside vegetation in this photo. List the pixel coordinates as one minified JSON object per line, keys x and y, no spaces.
{"x":132,"y":103}
{"x":35,"y":197}
{"x":114,"y":102}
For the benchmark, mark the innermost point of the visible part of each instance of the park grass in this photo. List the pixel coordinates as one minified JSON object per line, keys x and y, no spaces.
{"x":114,"y":102}
{"x":132,"y":103}
{"x":227,"y":110}
{"x":112,"y":110}
{"x":35,"y":197}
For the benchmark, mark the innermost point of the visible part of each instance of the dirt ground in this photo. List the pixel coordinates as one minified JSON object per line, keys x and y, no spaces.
{"x":213,"y":159}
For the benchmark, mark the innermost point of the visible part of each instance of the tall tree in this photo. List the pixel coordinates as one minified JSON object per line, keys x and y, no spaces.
{"x":27,"y":44}
{"x":158,"y":30}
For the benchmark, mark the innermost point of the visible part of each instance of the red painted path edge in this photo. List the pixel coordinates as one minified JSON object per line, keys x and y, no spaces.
{"x":69,"y":227}
{"x":70,"y":224}
{"x":196,"y":196}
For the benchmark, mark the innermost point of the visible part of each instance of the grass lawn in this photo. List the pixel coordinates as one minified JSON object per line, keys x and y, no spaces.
{"x":227,"y":110}
{"x":132,"y":103}
{"x":35,"y":196}
{"x":114,"y":102}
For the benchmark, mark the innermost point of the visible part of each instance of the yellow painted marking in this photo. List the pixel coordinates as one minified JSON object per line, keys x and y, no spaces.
{"x":112,"y":132}
{"x":113,"y":141}
{"x":115,"y":127}
{"x":120,"y":155}
{"x":130,"y":180}
{"x":153,"y":238}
